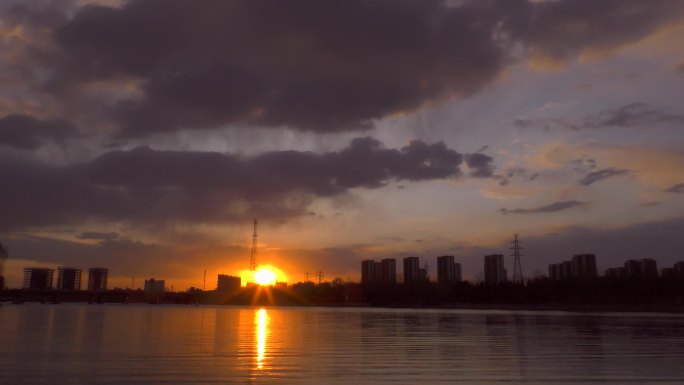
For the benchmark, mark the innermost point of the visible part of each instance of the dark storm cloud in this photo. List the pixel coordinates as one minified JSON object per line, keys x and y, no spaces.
{"x":28,"y":133}
{"x":630,"y":115}
{"x":551,"y":208}
{"x":307,"y":64}
{"x":678,"y":188}
{"x":563,"y":29}
{"x":602,"y":174}
{"x":322,"y":66}
{"x":95,"y":235}
{"x":480,"y":165}
{"x":148,"y":185}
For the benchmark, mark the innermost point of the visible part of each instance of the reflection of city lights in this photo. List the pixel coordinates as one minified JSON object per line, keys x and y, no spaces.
{"x":262,"y":324}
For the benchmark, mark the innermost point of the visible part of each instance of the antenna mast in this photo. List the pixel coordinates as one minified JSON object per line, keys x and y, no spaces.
{"x":3,"y":258}
{"x":253,"y":263}
{"x":517,"y":267}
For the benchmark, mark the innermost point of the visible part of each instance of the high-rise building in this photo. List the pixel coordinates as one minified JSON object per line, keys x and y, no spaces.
{"x":583,"y":266}
{"x":633,"y":268}
{"x":411,"y":270}
{"x":68,"y":278}
{"x":38,"y":278}
{"x":388,"y":270}
{"x":580,"y":266}
{"x":448,"y":271}
{"x":154,"y":285}
{"x":641,"y":268}
{"x":495,"y":272}
{"x":679,"y":269}
{"x":649,"y":267}
{"x":371,"y":271}
{"x":228,"y":283}
{"x":97,"y":278}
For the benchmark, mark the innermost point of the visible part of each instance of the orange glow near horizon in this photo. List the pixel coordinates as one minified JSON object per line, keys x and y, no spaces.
{"x":266,"y":275}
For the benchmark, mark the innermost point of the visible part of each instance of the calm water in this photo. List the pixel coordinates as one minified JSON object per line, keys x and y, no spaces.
{"x":144,"y":344}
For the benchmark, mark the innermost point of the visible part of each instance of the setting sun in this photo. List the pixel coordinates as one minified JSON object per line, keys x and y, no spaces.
{"x":265,"y":277}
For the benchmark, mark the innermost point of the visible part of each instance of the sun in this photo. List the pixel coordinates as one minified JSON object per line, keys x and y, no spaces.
{"x":265,"y":277}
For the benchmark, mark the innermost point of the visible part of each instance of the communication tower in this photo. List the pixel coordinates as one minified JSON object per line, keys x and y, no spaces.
{"x":3,"y":257}
{"x":517,"y":267}
{"x":253,"y":259}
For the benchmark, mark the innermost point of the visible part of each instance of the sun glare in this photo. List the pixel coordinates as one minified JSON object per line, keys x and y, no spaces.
{"x":265,"y":277}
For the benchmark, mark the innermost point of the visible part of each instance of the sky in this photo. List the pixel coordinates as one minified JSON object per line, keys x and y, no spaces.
{"x":146,"y":135}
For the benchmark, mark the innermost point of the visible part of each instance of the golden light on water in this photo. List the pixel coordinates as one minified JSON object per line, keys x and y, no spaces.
{"x":261,"y":332}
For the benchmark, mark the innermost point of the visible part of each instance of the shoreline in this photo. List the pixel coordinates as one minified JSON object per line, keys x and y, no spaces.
{"x":559,"y":307}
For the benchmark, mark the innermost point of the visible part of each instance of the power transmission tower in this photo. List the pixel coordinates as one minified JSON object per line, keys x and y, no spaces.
{"x":320,"y":276}
{"x":204,"y":281}
{"x":517,"y":267}
{"x":3,"y":257}
{"x":306,"y":277}
{"x":253,"y":262}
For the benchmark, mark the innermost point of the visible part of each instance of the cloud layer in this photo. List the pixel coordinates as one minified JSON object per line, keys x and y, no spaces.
{"x":550,"y":208}
{"x":630,"y":115}
{"x":602,"y":174}
{"x":144,"y":185}
{"x":163,"y":65}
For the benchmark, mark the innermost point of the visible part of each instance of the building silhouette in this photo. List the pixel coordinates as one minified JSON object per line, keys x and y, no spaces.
{"x":583,"y":266}
{"x":68,"y":278}
{"x":154,"y":285}
{"x":495,"y":272}
{"x":675,"y":271}
{"x":3,"y":257}
{"x":649,"y":267}
{"x":371,"y":271}
{"x":412,"y":270}
{"x":641,"y":268}
{"x":38,"y":278}
{"x":228,"y":283}
{"x":580,"y":266}
{"x":384,"y":271}
{"x":97,"y":278}
{"x":388,"y":270}
{"x":448,"y":271}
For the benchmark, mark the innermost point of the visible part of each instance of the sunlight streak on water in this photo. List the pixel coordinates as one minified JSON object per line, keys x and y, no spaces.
{"x":261,"y":331}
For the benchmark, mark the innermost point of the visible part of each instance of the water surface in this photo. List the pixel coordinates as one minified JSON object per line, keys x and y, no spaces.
{"x":146,"y":344}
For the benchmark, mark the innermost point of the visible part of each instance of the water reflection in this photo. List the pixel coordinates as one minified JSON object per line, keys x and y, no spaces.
{"x":180,"y":345}
{"x":261,"y":332}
